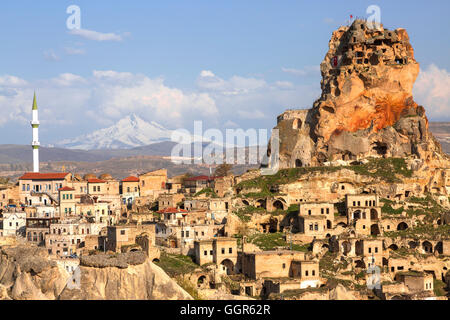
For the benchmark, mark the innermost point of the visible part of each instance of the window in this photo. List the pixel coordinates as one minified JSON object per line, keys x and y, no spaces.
{"x":182,"y":234}
{"x":306,"y":273}
{"x":211,"y":252}
{"x":309,"y":212}
{"x":122,"y":232}
{"x":230,"y":250}
{"x":284,"y":265}
{"x":223,"y":251}
{"x":376,"y":249}
{"x":316,"y":227}
{"x":328,"y":210}
{"x":322,"y":211}
{"x":205,"y":253}
{"x":187,"y":234}
{"x":311,"y":227}
{"x":314,"y":272}
{"x":370,"y":250}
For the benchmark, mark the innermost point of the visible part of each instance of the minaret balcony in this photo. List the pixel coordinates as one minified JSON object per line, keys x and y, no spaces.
{"x":35,"y":123}
{"x":35,"y":143}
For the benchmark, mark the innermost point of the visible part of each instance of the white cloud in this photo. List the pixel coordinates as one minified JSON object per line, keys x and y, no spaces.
{"x":74,"y":51}
{"x":230,"y":124}
{"x":234,"y":86}
{"x":95,"y":35}
{"x":306,"y":71}
{"x":104,"y":97}
{"x":243,"y":100}
{"x":207,"y":73}
{"x":432,"y":90}
{"x":284,"y":84}
{"x":68,"y":79}
{"x":12,"y":81}
{"x":251,"y":114}
{"x":51,"y":56}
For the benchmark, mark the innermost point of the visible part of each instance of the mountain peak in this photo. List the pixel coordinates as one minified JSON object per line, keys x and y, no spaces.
{"x":129,"y":132}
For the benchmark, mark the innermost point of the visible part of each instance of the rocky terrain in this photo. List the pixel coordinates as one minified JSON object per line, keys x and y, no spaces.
{"x":366,"y":107}
{"x":27,"y":273}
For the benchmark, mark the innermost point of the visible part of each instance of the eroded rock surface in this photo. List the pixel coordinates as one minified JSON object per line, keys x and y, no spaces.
{"x":27,"y":273}
{"x":366,"y":107}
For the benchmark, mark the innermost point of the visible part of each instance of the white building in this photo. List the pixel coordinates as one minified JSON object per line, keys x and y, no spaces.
{"x":13,"y":223}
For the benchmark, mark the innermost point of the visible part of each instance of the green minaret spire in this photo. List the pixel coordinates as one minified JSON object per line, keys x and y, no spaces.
{"x":34,"y":102}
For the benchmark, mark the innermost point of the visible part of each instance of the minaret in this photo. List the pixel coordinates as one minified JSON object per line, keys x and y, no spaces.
{"x":35,"y":144}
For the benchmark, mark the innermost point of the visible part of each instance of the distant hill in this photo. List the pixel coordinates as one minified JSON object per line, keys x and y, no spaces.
{"x":15,"y":159}
{"x":18,"y":153}
{"x":441,"y":130}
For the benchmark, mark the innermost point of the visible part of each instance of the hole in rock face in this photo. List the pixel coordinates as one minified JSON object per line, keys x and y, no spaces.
{"x":298,"y":163}
{"x":297,"y":124}
{"x":380,"y":148}
{"x":330,"y":109}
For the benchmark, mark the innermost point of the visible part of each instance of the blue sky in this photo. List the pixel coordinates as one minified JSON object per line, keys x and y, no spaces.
{"x":259,"y":57}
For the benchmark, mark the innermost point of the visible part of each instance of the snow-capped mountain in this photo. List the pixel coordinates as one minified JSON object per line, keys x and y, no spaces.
{"x":130,"y":132}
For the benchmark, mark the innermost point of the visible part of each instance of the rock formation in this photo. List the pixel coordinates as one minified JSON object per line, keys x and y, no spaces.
{"x":27,"y":273}
{"x":366,"y":108}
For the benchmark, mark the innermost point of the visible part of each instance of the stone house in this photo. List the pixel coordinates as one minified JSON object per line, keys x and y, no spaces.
{"x":153,"y":183}
{"x":67,"y":202}
{"x":13,"y":223}
{"x":364,"y":212}
{"x":9,"y":195}
{"x":311,"y":227}
{"x":223,"y":185}
{"x":38,"y":223}
{"x":416,"y":281}
{"x":129,"y":190}
{"x":321,"y":209}
{"x":307,"y":272}
{"x":120,"y":237}
{"x":67,"y":237}
{"x":220,"y":251}
{"x":42,"y":188}
{"x":269,"y":264}
{"x":169,"y":200}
